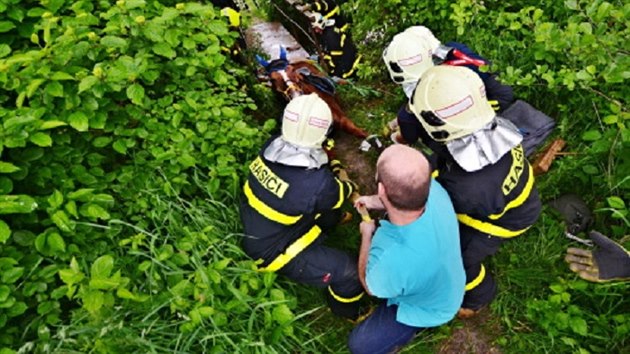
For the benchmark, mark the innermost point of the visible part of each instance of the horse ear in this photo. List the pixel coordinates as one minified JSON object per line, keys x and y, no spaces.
{"x":262,"y":61}
{"x":283,"y":53}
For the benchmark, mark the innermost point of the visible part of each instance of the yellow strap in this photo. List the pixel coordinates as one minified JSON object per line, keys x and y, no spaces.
{"x":332,"y":13}
{"x":345,"y":300}
{"x":473,"y":284}
{"x":489,"y":228}
{"x":518,"y":201}
{"x":293,"y":250}
{"x":354,"y":67}
{"x":343,"y":40}
{"x":341,"y":198}
{"x":266,"y":211}
{"x":336,"y":52}
{"x":344,"y":27}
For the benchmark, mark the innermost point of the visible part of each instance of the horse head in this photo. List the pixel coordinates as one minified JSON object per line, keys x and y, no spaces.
{"x":281,"y":75}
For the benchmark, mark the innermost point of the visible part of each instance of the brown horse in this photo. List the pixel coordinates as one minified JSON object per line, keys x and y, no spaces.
{"x":301,"y":78}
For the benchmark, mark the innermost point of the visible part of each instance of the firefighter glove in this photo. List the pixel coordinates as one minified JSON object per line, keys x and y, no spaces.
{"x":610,"y":261}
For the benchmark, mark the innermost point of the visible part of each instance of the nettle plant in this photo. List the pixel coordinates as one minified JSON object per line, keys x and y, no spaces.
{"x":103,"y":106}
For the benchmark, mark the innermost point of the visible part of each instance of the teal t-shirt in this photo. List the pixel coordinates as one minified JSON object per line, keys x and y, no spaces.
{"x":419,"y":266}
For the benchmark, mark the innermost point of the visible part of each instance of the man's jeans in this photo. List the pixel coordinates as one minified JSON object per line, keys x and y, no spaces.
{"x":381,"y":333}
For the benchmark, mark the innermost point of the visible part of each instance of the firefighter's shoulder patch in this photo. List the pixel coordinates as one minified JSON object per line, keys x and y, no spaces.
{"x":269,"y":180}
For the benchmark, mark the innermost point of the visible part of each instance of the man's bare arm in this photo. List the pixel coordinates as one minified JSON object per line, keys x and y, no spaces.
{"x":367,"y":229}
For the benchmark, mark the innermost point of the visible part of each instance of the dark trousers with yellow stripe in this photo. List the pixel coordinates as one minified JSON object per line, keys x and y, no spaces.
{"x":330,"y":269}
{"x":477,"y":246}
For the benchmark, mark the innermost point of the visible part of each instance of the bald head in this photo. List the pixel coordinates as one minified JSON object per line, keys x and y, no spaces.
{"x":405,"y":175}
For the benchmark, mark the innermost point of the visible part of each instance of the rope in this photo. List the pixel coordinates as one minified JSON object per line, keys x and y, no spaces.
{"x":296,"y":24}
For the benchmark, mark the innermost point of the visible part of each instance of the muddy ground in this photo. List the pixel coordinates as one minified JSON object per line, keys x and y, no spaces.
{"x":361,"y":166}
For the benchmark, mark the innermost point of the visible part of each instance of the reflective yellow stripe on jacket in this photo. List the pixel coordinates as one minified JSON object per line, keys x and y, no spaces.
{"x":267,"y":211}
{"x":354,"y":67}
{"x":522,"y":198}
{"x":489,"y":228}
{"x":345,"y":300}
{"x":475,"y":282}
{"x":293,"y":250}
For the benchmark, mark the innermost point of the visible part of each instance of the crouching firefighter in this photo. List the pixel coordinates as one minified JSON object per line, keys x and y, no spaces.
{"x":481,"y":163}
{"x":333,"y":33}
{"x":292,"y":199}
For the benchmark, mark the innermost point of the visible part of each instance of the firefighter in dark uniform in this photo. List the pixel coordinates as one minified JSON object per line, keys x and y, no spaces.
{"x":231,"y":11}
{"x":333,"y":32}
{"x":292,"y":199}
{"x":480,"y":161}
{"x":412,"y":52}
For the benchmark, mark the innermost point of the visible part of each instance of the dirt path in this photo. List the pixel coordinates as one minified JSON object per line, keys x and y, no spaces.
{"x":474,"y":337}
{"x":361,"y":166}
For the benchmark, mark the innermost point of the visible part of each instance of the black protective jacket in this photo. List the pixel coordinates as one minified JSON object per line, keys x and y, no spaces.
{"x":499,"y":200}
{"x":281,"y":206}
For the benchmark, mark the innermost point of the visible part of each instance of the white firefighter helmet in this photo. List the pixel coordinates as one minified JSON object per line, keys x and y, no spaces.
{"x":450,"y":102}
{"x":409,"y":54}
{"x":306,"y":121}
{"x":319,"y":21}
{"x":426,"y":35}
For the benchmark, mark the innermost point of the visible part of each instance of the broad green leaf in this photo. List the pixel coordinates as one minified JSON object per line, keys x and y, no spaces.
{"x":591,"y":135}
{"x":120,"y":146}
{"x":5,"y":232}
{"x":113,"y":42}
{"x":6,"y":26}
{"x":11,"y":275}
{"x":4,"y":292}
{"x":55,"y":200}
{"x":79,"y":121}
{"x":218,"y":27}
{"x":206,"y":311}
{"x":282,"y":314}
{"x":153,"y":31}
{"x":104,"y":283}
{"x":83,"y":194}
{"x":40,"y":243}
{"x":102,"y":267}
{"x":17,"y":204}
{"x":63,"y":222}
{"x":87,"y":83}
{"x":135,"y":93}
{"x":56,"y":243}
{"x":96,"y":211}
{"x":103,"y":198}
{"x":93,"y":300}
{"x":4,"y":50}
{"x":132,"y":4}
{"x":163,"y":49}
{"x":17,"y":309}
{"x":54,"y":89}
{"x":6,"y":167}
{"x":70,"y":276}
{"x":41,"y":139}
{"x":6,"y":185}
{"x":579,"y":326}
{"x":71,"y":208}
{"x":33,"y":86}
{"x":186,"y":160}
{"x":616,"y":203}
{"x":61,"y":76}
{"x":52,"y":124}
